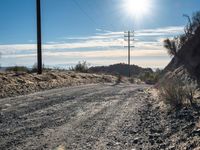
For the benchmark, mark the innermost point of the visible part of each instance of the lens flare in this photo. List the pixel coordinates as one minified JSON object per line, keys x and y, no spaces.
{"x":137,"y":8}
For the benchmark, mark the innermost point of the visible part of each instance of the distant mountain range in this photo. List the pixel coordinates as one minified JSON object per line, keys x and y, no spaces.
{"x":116,"y":69}
{"x":120,"y":69}
{"x":3,"y":68}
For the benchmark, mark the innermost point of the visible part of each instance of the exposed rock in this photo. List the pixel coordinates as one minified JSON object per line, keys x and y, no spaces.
{"x":196,"y":132}
{"x":136,"y":140}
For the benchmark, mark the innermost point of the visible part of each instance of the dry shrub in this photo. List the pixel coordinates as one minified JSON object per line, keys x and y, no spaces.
{"x":119,"y":79}
{"x":135,"y":80}
{"x":80,"y":67}
{"x":151,"y":77}
{"x":132,"y":80}
{"x":190,"y":90}
{"x":177,"y":93}
{"x":18,"y":69}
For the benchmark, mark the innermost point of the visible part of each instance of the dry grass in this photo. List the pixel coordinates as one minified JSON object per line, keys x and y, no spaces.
{"x":119,"y":79}
{"x":176,"y":93}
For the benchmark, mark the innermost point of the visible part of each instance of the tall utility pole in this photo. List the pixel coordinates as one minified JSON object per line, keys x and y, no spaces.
{"x":39,"y":38}
{"x":129,"y":37}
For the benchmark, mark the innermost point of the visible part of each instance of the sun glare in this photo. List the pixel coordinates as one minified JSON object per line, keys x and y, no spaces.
{"x":137,"y":8}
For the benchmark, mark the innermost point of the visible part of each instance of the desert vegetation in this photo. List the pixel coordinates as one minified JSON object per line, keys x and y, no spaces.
{"x":178,"y":89}
{"x":177,"y":94}
{"x":33,"y":69}
{"x":175,"y":44}
{"x":119,"y":79}
{"x":151,"y":77}
{"x":80,"y":67}
{"x":18,"y":69}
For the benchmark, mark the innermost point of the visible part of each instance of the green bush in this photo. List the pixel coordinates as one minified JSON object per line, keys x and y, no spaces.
{"x":18,"y":69}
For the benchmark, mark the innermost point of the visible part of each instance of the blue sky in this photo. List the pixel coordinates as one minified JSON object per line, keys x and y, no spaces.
{"x":92,"y":30}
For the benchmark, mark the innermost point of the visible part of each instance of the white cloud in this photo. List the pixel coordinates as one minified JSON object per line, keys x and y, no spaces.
{"x":173,"y":30}
{"x":108,"y":54}
{"x":107,"y":39}
{"x":111,"y":45}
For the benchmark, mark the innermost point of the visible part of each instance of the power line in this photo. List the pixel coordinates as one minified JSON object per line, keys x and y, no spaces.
{"x":79,"y":6}
{"x":102,"y":15}
{"x":128,"y":35}
{"x":87,"y":15}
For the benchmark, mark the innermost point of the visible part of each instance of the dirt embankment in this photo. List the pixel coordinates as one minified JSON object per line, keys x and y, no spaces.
{"x":169,"y":128}
{"x":13,"y":84}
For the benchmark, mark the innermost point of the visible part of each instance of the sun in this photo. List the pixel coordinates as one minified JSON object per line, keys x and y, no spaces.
{"x":137,"y":8}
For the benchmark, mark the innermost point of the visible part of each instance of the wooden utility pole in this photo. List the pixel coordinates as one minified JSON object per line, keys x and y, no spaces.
{"x":39,"y":38}
{"x":128,"y":35}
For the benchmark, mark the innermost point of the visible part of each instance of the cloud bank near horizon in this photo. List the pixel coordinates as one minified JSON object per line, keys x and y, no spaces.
{"x":103,"y":48}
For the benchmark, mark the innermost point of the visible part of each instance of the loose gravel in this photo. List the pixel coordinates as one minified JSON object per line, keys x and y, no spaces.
{"x":96,"y":117}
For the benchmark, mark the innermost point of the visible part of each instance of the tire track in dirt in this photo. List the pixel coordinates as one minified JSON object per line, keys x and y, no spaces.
{"x":69,"y":116}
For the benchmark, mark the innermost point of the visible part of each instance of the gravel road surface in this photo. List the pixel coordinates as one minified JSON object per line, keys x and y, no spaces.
{"x":98,"y":116}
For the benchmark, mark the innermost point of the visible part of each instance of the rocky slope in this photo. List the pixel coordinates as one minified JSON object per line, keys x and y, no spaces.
{"x":172,"y":129}
{"x":188,"y":58}
{"x":182,"y":127}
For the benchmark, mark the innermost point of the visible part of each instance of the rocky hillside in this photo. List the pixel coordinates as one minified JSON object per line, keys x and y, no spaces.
{"x":120,"y":69}
{"x":185,"y":65}
{"x":187,"y":61}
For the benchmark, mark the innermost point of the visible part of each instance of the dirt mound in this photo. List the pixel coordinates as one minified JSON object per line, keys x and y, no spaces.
{"x":12,"y":84}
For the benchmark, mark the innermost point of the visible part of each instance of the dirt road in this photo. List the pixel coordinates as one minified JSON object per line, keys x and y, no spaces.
{"x":84,"y":117}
